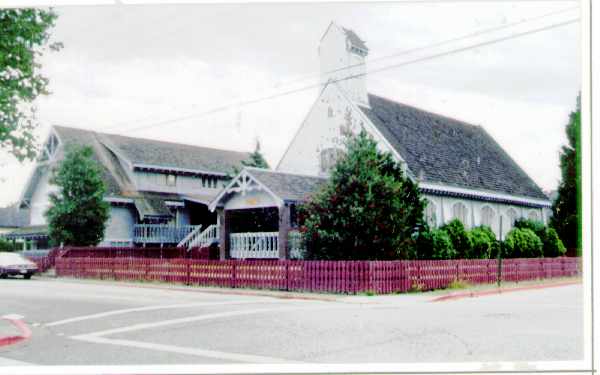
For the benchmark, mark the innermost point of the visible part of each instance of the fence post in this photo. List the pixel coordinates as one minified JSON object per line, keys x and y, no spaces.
{"x":188,"y":271}
{"x":233,"y":274}
{"x":287,"y":275}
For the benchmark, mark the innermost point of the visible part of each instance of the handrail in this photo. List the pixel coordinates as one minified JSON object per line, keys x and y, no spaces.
{"x":201,"y":239}
{"x":190,"y":235}
{"x":163,"y":233}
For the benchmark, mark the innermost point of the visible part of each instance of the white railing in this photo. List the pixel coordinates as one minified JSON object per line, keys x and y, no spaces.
{"x":296,"y":245}
{"x":161,"y":233}
{"x":254,"y":245}
{"x":187,"y":239}
{"x":201,"y":239}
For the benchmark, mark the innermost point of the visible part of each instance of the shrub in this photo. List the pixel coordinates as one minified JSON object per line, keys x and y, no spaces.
{"x":552,"y":245}
{"x":459,"y":237}
{"x":483,"y":242}
{"x":6,"y":245}
{"x":523,"y":243}
{"x":435,"y":244}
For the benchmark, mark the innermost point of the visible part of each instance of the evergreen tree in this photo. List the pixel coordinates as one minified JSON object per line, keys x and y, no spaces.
{"x":567,"y":206}
{"x":256,"y":159}
{"x":24,"y":34}
{"x":78,"y":213}
{"x":367,"y":210}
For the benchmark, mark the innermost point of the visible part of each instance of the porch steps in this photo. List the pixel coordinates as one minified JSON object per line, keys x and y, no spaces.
{"x":201,"y":238}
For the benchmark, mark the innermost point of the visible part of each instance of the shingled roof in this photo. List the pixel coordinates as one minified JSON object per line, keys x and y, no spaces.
{"x":446,"y":151}
{"x":13,"y":217}
{"x":288,"y":186}
{"x":163,"y":154}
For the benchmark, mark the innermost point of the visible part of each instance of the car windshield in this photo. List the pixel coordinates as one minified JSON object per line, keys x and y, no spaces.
{"x":12,"y":258}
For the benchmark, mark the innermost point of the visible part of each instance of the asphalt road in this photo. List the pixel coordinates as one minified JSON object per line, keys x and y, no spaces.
{"x":105,"y":323}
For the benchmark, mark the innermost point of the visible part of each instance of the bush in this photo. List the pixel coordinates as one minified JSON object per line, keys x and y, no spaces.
{"x":552,"y":245}
{"x":459,"y":237}
{"x":483,"y":242}
{"x":6,"y":245}
{"x":522,"y":243}
{"x":435,"y":244}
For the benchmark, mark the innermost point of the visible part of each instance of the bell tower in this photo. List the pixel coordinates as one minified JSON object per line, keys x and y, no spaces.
{"x":342,"y":57}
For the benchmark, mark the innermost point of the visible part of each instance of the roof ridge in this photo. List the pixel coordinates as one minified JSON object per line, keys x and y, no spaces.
{"x":149,"y":139}
{"x":463,"y":122}
{"x":286,"y":173}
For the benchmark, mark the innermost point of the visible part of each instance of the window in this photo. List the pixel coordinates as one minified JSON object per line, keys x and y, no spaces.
{"x":171,"y":180}
{"x":533,"y":215}
{"x":329,"y":157}
{"x":488,"y":217}
{"x":430,"y":213}
{"x":511,"y":215}
{"x":459,"y":211}
{"x":329,"y":112}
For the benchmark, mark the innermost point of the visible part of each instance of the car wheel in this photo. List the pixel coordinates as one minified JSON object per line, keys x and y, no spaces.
{"x":27,"y":277}
{"x":3,"y":276}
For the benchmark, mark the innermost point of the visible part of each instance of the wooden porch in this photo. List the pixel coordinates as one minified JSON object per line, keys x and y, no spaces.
{"x":161,"y":233}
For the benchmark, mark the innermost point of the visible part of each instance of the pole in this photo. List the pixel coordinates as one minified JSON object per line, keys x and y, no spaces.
{"x":499,"y":273}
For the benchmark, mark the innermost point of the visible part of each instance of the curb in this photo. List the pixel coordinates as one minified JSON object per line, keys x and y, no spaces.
{"x":455,"y":296}
{"x":23,"y":328}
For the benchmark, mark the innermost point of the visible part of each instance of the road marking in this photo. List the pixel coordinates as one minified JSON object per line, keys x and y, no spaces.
{"x":141,"y":326}
{"x":12,"y":317}
{"x":184,"y":350}
{"x":146,"y":308}
{"x":13,"y":362}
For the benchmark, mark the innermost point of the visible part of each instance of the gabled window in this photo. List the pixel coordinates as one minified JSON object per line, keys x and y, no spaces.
{"x":460,"y":212}
{"x":328,"y":158}
{"x":488,"y":217}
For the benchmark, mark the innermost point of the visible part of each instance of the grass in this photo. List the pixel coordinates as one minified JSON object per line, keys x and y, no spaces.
{"x":458,"y":284}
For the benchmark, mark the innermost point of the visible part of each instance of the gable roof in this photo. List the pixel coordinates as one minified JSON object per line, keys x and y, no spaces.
{"x":288,"y":186}
{"x":12,"y":216}
{"x":446,"y":151}
{"x":147,"y":152}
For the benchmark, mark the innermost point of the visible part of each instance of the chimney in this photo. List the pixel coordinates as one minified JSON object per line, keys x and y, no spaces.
{"x":342,"y":56}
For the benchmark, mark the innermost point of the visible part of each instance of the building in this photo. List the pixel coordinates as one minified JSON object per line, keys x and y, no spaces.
{"x":461,"y":170}
{"x":158,"y":191}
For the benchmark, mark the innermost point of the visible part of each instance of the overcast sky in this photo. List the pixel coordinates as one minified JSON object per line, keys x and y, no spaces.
{"x":138,"y":70}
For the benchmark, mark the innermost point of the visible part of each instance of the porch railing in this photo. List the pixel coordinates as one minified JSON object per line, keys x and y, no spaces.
{"x":296,"y":245}
{"x":161,"y":233}
{"x":254,"y":245}
{"x":201,"y":238}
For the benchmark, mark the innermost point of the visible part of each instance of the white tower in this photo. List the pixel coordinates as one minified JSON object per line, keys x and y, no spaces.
{"x":342,"y":55}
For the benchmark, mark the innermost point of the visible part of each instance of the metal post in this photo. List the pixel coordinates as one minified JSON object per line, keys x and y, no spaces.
{"x":499,"y":274}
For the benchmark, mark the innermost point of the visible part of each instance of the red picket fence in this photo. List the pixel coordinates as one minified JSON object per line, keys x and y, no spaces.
{"x":136,"y":252}
{"x":317,"y":276}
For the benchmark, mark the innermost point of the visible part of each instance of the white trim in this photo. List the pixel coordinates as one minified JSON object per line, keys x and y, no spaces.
{"x":174,"y":203}
{"x":176,"y":169}
{"x":244,"y":173}
{"x":484,"y":194}
{"x":118,"y":200}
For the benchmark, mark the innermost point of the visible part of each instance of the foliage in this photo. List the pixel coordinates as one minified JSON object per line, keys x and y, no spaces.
{"x":6,"y":245}
{"x":459,"y":237}
{"x":522,"y":243}
{"x":552,"y":244}
{"x":434,"y":244}
{"x":367,"y":210}
{"x":483,"y":241}
{"x":24,"y":34}
{"x":78,"y":213}
{"x":567,"y":206}
{"x":256,"y":159}
{"x":458,"y":284}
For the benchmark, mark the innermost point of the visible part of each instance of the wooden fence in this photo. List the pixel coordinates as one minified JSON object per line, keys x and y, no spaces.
{"x":317,"y":276}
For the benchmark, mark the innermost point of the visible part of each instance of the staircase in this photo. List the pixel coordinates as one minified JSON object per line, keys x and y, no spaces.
{"x":201,"y":238}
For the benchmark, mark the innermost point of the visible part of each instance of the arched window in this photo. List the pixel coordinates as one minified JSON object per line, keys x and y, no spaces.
{"x":430,"y":213}
{"x":533,"y":215}
{"x":329,"y":157}
{"x":459,"y":211}
{"x":511,"y":215}
{"x":488,"y":217}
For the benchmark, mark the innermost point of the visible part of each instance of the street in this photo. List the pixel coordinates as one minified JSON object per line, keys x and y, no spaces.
{"x":107,"y":323}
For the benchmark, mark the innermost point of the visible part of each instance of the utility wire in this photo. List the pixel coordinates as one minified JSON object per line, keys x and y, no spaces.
{"x":374,"y":71}
{"x":390,"y":56}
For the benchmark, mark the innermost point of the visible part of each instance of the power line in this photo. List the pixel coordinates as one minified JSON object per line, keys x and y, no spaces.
{"x":390,"y":56}
{"x":378,"y":70}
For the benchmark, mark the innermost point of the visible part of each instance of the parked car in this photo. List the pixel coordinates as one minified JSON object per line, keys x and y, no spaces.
{"x":14,"y":264}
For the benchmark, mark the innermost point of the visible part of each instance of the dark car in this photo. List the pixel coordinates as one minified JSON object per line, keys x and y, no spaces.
{"x":12,"y":264}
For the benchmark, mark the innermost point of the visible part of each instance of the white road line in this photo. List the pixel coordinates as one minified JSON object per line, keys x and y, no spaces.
{"x":12,"y":362}
{"x":147,"y":308}
{"x":184,"y":350}
{"x":137,"y":327}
